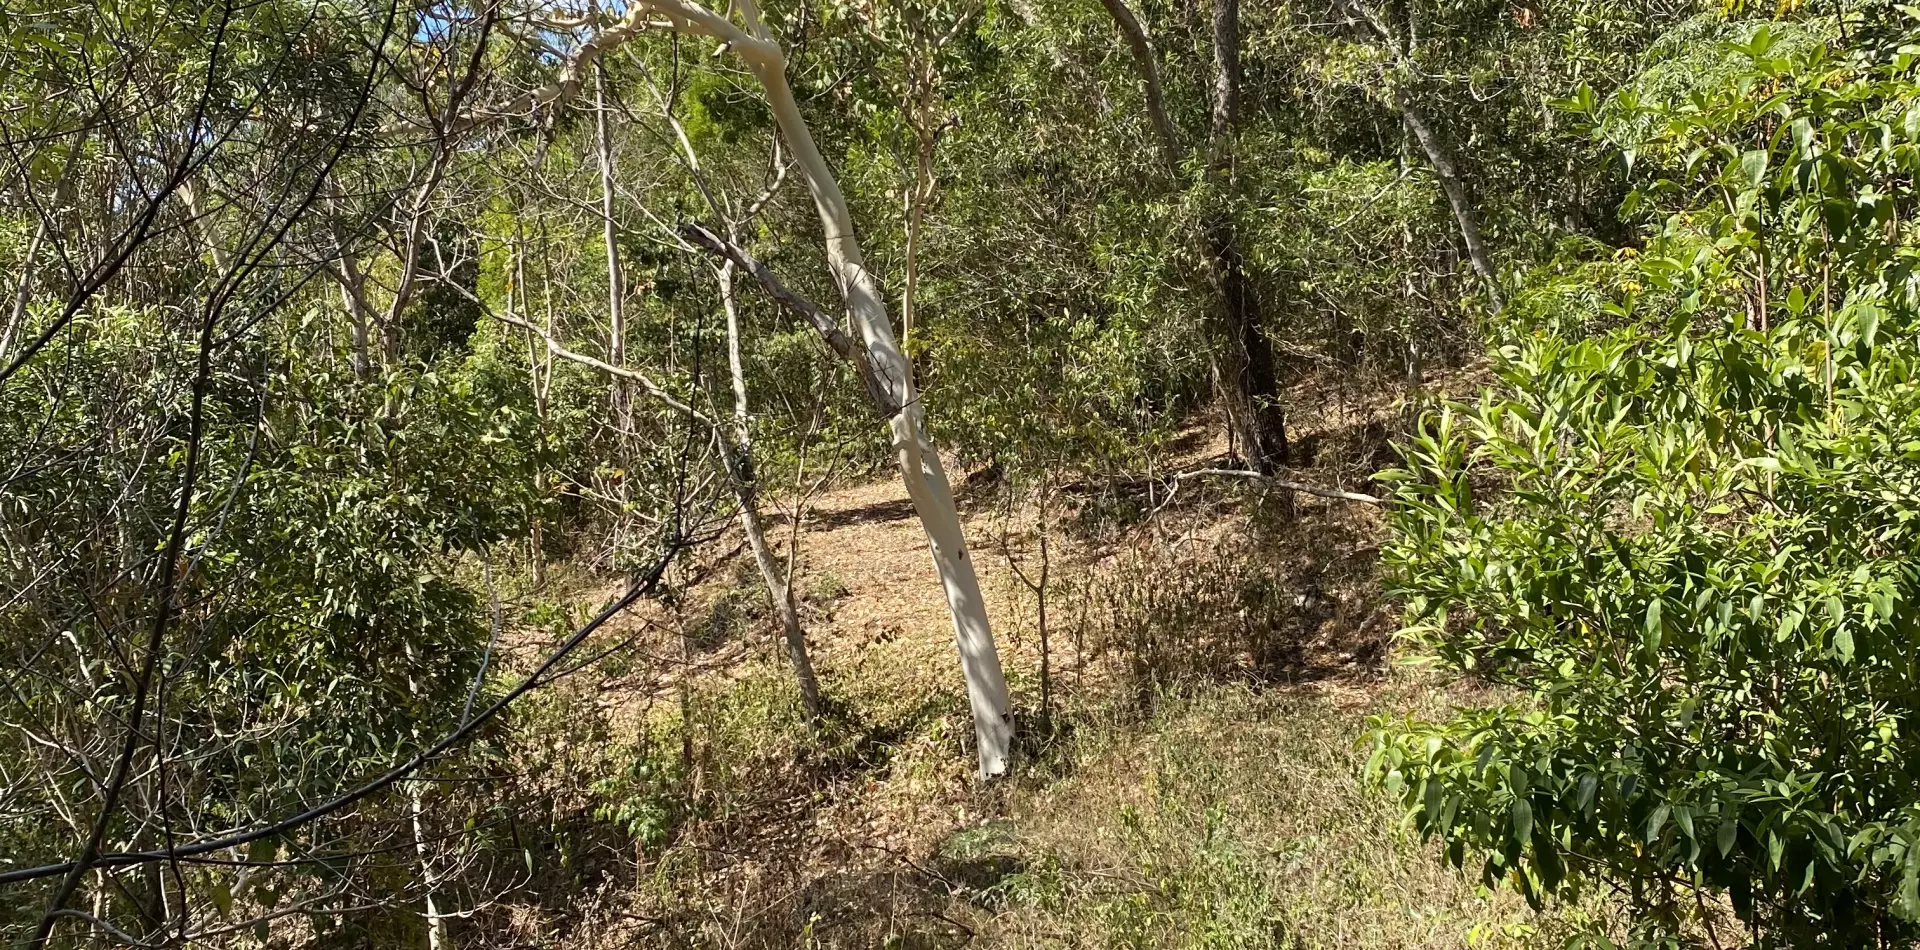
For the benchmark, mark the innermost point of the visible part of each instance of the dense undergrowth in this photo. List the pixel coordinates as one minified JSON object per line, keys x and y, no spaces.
{"x":357,"y":356}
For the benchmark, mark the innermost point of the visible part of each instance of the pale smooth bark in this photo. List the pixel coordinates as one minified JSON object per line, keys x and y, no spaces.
{"x":917,"y":197}
{"x":616,"y":281}
{"x":346,"y":272}
{"x":429,"y":878}
{"x":920,"y":467}
{"x":1465,"y":216}
{"x":746,"y":489}
{"x":436,"y":921}
{"x":540,"y":378}
{"x":195,"y":220}
{"x":922,"y":86}
{"x":1146,"y":62}
{"x":23,"y":292}
{"x":353,"y":295}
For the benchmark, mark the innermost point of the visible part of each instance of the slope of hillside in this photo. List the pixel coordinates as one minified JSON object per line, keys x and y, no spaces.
{"x":1214,"y":650}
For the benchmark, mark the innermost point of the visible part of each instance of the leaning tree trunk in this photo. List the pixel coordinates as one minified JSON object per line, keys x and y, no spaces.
{"x":23,"y":291}
{"x":1464,"y":214}
{"x":1438,"y":158}
{"x":1146,"y":62}
{"x":920,"y":468}
{"x":1244,"y":365}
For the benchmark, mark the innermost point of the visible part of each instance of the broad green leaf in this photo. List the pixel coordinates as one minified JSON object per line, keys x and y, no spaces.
{"x":1657,"y":821}
{"x":1589,"y":784}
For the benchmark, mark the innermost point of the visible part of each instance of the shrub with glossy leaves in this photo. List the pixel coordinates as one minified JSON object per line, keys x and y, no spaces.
{"x":1680,"y":531}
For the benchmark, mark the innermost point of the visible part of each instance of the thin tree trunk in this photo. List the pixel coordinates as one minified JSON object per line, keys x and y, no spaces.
{"x":747,"y":489}
{"x":411,"y":233}
{"x":353,"y":290}
{"x":1245,"y":371}
{"x":23,"y":292}
{"x":616,"y":282}
{"x":1245,"y":375}
{"x":920,"y":468}
{"x":538,"y":376}
{"x":1438,"y":158}
{"x":353,"y":294}
{"x":1464,"y":214}
{"x":620,"y":399}
{"x":916,"y":209}
{"x":429,"y":880}
{"x":436,"y":921}
{"x":1226,"y":74}
{"x":1146,"y":62}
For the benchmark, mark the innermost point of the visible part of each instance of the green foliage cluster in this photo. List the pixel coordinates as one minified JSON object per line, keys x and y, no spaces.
{"x":1703,"y":439}
{"x":332,"y":520}
{"x":1681,"y":526}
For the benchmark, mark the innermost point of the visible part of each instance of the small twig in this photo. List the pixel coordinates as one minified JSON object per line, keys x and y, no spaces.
{"x":553,"y":346}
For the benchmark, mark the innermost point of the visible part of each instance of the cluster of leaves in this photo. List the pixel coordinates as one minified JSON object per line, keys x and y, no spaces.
{"x":323,"y":629}
{"x":1681,"y":527}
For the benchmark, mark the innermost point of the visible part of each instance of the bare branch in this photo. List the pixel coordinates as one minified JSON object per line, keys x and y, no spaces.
{"x":829,"y":330}
{"x":1279,"y":483}
{"x":653,"y":389}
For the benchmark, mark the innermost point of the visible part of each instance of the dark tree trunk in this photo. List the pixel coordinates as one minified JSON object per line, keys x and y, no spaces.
{"x":1245,"y":377}
{"x":1244,"y":370}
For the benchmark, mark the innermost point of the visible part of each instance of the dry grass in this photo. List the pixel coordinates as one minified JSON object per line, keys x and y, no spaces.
{"x":1236,"y":818}
{"x":1214,"y":657}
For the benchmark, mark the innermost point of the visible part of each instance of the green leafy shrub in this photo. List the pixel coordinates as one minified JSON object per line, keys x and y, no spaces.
{"x":1681,"y":528}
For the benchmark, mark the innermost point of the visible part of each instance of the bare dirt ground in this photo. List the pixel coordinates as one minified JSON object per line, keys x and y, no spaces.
{"x":875,"y":833}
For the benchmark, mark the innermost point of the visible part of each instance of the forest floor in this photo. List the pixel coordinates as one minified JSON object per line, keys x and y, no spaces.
{"x":1214,"y":656}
